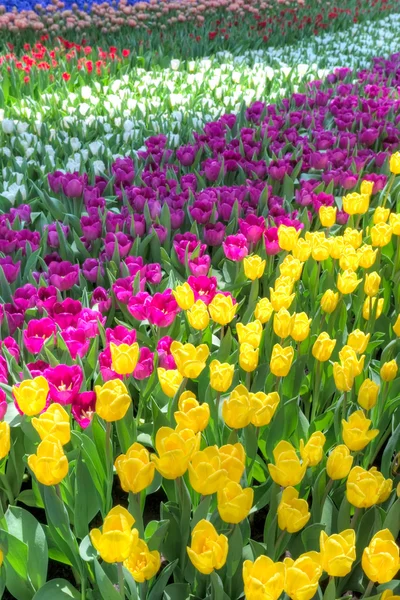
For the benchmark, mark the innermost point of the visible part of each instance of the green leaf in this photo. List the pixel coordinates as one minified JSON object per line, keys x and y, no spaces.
{"x":57,"y":589}
{"x":310,"y":536}
{"x":16,"y":566}
{"x":177,"y":591}
{"x":392,"y":520}
{"x":235,"y":551}
{"x":155,"y":533}
{"x":344,"y":515}
{"x":106,"y":587}
{"x":330,"y":591}
{"x":158,"y":588}
{"x":390,"y":449}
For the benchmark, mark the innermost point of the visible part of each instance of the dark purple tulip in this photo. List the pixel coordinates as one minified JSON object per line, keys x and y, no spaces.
{"x":186,"y":155}
{"x":123,"y":170}
{"x":90,"y":269}
{"x":83,"y":408}
{"x":214,"y":233}
{"x":160,"y":231}
{"x":120,"y":240}
{"x":152,"y":273}
{"x":10,"y":268}
{"x":101,"y":300}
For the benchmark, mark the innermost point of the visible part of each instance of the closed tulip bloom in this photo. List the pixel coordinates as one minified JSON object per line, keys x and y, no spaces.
{"x":396,"y":326}
{"x":338,"y":552}
{"x":349,"y":259}
{"x":191,"y":414}
{"x":254,"y":266}
{"x":381,"y":215}
{"x":388,"y":595}
{"x":287,"y":237}
{"x":366,"y":488}
{"x":329,"y":301}
{"x":55,"y":421}
{"x":206,"y":474}
{"x":367,"y":187}
{"x":301,"y":327}
{"x":184,"y":296}
{"x":358,"y":340}
{"x":337,"y":246}
{"x":394,"y":221}
{"x":368,"y":394}
{"x":112,"y":400}
{"x":237,"y":409}
{"x":263,"y":407}
{"x":394,"y":163}
{"x":49,"y":464}
{"x":31,"y":395}
{"x":134,"y":469}
{"x":380,"y":560}
{"x":353,"y":237}
{"x":302,"y":576}
{"x":263,"y":310}
{"x":5,"y":442}
{"x":263,"y":579}
{"x":170,"y":381}
{"x":234,"y":503}
{"x":287,"y":470}
{"x":313,"y":450}
{"x":291,"y":267}
{"x":347,"y":355}
{"x":248,"y":357}
{"x":343,"y":376}
{"x":280,"y":299}
{"x":233,"y":459}
{"x":321,"y":251}
{"x":327,"y":215}
{"x":323,"y":347}
{"x":347,"y":282}
{"x":124,"y":357}
{"x":117,"y":539}
{"x":221,"y":375}
{"x":198,"y":316}
{"x":366,"y":256}
{"x":293,"y":513}
{"x":190,"y":360}
{"x":388,"y":370}
{"x":175,"y":449}
{"x":356,"y":433}
{"x":356,"y":204}
{"x":381,"y":234}
{"x":284,"y":282}
{"x":250,"y":333}
{"x":281,"y":360}
{"x":283,"y":323}
{"x":376,"y":311}
{"x":339,"y":462}
{"x":208,"y":550}
{"x":143,"y":563}
{"x":222,"y":309}
{"x":302,"y":250}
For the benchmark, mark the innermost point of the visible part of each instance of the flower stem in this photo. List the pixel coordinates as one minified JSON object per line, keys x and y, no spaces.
{"x":369,"y":589}
{"x":121,"y":582}
{"x":388,"y":189}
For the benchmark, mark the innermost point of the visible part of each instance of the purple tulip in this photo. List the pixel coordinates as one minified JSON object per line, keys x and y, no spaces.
{"x":91,"y":227}
{"x":123,"y":170}
{"x":66,"y":313}
{"x":83,"y":408}
{"x":145,"y":364}
{"x":120,"y":240}
{"x":165,"y":358}
{"x":89,"y":321}
{"x":186,"y":155}
{"x":235,"y":247}
{"x":10,"y":268}
{"x":162,"y":309}
{"x":200,"y":265}
{"x":90,"y":269}
{"x":214,"y":233}
{"x":63,"y":275}
{"x":137,"y":305}
{"x":252,"y":228}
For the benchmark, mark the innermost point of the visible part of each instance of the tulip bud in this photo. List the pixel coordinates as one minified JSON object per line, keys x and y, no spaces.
{"x":55,"y":421}
{"x":329,"y":301}
{"x":206,"y":473}
{"x":280,"y":299}
{"x":283,"y":323}
{"x":250,"y":333}
{"x":291,"y":267}
{"x":338,"y":552}
{"x":302,"y":576}
{"x":343,"y":376}
{"x":372,"y":283}
{"x":287,"y":237}
{"x":263,"y":310}
{"x":248,"y":357}
{"x":233,"y":458}
{"x":170,"y":381}
{"x":117,"y":539}
{"x":380,"y":560}
{"x":302,"y":250}
{"x":394,"y":163}
{"x":237,"y":410}
{"x":254,"y":266}
{"x":134,"y":469}
{"x":263,"y":578}
{"x":198,"y":316}
{"x":355,"y":431}
{"x":327,"y":215}
{"x":366,"y":256}
{"x":124,"y":358}
{"x":323,"y":347}
{"x":184,"y":296}
{"x":353,"y":237}
{"x":396,"y":326}
{"x":358,"y":340}
{"x":339,"y":462}
{"x":381,"y":215}
{"x":381,"y":234}
{"x":5,"y":443}
{"x":368,"y":394}
{"x":263,"y":407}
{"x":221,"y":375}
{"x":208,"y":550}
{"x":394,"y":221}
{"x":287,"y":470}
{"x":347,"y":282}
{"x":143,"y":563}
{"x":388,"y":370}
{"x":293,"y":513}
{"x":301,"y":327}
{"x":234,"y":503}
{"x":112,"y":400}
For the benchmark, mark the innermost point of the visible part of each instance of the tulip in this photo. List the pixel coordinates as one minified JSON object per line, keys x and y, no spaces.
{"x":49,"y":464}
{"x":283,"y":323}
{"x":394,"y":221}
{"x":5,"y":443}
{"x":368,"y":394}
{"x":287,"y":470}
{"x":170,"y":381}
{"x":112,"y":400}
{"x":206,"y":474}
{"x":380,"y":560}
{"x":254,"y":266}
{"x":124,"y":357}
{"x":347,"y":282}
{"x":263,"y":310}
{"x":233,"y":459}
{"x":302,"y":576}
{"x":283,"y":282}
{"x":301,"y":327}
{"x":250,"y":333}
{"x":381,"y":234}
{"x":36,"y":334}
{"x":234,"y":503}
{"x":287,"y":237}
{"x":367,"y":187}
{"x":355,"y":431}
{"x":349,"y":360}
{"x":323,"y":347}
{"x":327,"y":215}
{"x":381,"y":215}
{"x":293,"y":513}
{"x":31,"y":395}
{"x":142,"y":563}
{"x":396,"y":326}
{"x":117,"y":539}
{"x":280,"y":299}
{"x":235,"y":247}
{"x":175,"y":449}
{"x":64,"y":382}
{"x":83,"y":408}
{"x":248,"y":357}
{"x":236,"y":410}
{"x":358,"y":340}
{"x":329,"y":301}
{"x":312,"y":451}
{"x":388,"y":370}
{"x":198,"y":316}
{"x":353,"y":237}
{"x":222,"y":309}
{"x":370,"y":310}
{"x":366,"y":488}
{"x":281,"y":360}
{"x":191,"y":414}
{"x":339,"y":462}
{"x":184,"y":296}
{"x":356,"y":204}
{"x":134,"y":469}
{"x":263,"y":579}
{"x":190,"y":360}
{"x":263,"y":407}
{"x":338,"y":552}
{"x":366,"y":256}
{"x":343,"y":376}
{"x":221,"y":375}
{"x":302,"y":250}
{"x":208,"y":550}
{"x":55,"y":422}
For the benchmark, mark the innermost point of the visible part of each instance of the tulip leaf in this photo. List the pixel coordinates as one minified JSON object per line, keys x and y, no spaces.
{"x":155,"y":533}
{"x":106,"y":588}
{"x":368,"y":525}
{"x":330,"y":591}
{"x":57,"y":588}
{"x":390,"y":449}
{"x":177,"y":591}
{"x":344,"y":515}
{"x":86,"y":551}
{"x":392,"y":520}
{"x":235,"y":551}
{"x":310,"y":536}
{"x":158,"y":588}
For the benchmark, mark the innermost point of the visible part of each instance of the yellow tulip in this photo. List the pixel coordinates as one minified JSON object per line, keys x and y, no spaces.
{"x":55,"y":421}
{"x":356,"y":433}
{"x":263,"y":407}
{"x":348,"y":356}
{"x":349,"y":259}
{"x":347,"y":282}
{"x":302,"y":576}
{"x":117,"y":539}
{"x":184,"y":296}
{"x":327,"y":215}
{"x":134,"y":469}
{"x":112,"y":400}
{"x":175,"y":449}
{"x":367,"y":187}
{"x":49,"y":464}
{"x":336,"y":246}
{"x":322,"y":251}
{"x":356,"y":204}
{"x":221,"y":375}
{"x":287,"y":470}
{"x":380,"y":215}
{"x":353,"y":237}
{"x":380,"y":560}
{"x":234,"y":503}
{"x":287,"y":237}
{"x":5,"y":442}
{"x":388,"y":595}
{"x":233,"y":459}
{"x":323,"y":347}
{"x":248,"y":357}
{"x":143,"y":563}
{"x":388,"y":370}
{"x":191,"y":414}
{"x":302,"y":250}
{"x":222,"y":310}
{"x":339,"y":463}
{"x":124,"y":358}
{"x":394,"y":163}
{"x":394,"y":221}
{"x":208,"y":550}
{"x":312,"y":451}
{"x":170,"y":381}
{"x":370,"y":303}
{"x":301,"y":327}
{"x":206,"y":474}
{"x":237,"y":410}
{"x":198,"y":316}
{"x":190,"y":360}
{"x":293,"y":513}
{"x":396,"y":326}
{"x":291,"y":267}
{"x":283,"y":323}
{"x":284,"y":282}
{"x":343,"y":376}
{"x":358,"y":340}
{"x":281,"y":360}
{"x":263,"y":310}
{"x":250,"y":333}
{"x":254,"y":266}
{"x":368,"y":394}
{"x":329,"y":301}
{"x":366,"y":488}
{"x":263,"y":579}
{"x":381,"y":234}
{"x":366,"y":256}
{"x":31,"y":395}
{"x":338,"y":552}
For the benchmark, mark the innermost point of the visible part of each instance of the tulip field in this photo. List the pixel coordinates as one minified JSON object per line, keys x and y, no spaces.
{"x":200,"y":300}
